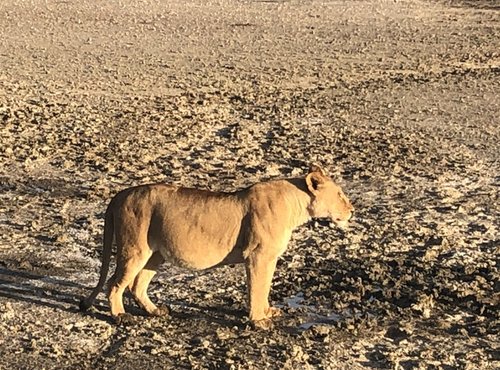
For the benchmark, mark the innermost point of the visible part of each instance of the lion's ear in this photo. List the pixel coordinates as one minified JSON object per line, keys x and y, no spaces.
{"x":314,"y":180}
{"x":317,"y":168}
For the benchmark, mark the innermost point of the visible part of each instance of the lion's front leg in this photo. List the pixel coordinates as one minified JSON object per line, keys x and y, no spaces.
{"x":260,"y":269}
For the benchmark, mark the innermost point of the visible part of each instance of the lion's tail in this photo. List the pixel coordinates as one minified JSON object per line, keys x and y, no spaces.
{"x":109,"y":231}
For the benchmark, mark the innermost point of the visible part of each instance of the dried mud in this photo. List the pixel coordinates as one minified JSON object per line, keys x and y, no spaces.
{"x":398,"y":99}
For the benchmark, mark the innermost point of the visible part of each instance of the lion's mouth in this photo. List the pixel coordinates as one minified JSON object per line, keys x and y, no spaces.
{"x":342,"y":223}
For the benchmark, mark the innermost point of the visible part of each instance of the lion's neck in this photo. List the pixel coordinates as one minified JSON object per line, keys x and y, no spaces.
{"x":300,"y":199}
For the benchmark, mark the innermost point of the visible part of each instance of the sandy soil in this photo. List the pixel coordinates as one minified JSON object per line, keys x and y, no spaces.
{"x":398,"y":99}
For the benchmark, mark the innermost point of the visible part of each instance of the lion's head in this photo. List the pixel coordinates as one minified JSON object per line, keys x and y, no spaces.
{"x":329,"y":201}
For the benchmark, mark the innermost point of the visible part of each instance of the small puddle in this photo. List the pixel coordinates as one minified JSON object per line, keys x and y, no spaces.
{"x":316,"y":319}
{"x":295,"y":301}
{"x":313,"y":316}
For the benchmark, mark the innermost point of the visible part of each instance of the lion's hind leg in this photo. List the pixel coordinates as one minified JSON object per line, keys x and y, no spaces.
{"x":139,"y":287}
{"x":129,"y":264}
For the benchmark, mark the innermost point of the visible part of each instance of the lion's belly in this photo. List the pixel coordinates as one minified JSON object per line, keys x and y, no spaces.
{"x":196,"y":247}
{"x":197,"y":230}
{"x":200,"y":257}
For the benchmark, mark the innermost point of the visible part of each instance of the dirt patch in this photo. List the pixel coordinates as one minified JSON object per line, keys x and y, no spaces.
{"x":399,"y":100}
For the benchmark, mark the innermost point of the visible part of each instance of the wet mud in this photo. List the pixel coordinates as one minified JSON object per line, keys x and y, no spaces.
{"x":397,"y":99}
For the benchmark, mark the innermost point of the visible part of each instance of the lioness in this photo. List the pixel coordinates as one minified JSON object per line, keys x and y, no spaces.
{"x":200,"y":229}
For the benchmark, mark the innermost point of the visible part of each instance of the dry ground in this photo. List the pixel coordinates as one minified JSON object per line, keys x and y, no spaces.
{"x":398,"y":99}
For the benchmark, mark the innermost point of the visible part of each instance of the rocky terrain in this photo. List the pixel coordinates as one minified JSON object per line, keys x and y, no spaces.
{"x":399,"y":100}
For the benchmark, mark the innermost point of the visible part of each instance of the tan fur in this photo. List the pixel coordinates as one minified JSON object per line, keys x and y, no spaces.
{"x":200,"y":229}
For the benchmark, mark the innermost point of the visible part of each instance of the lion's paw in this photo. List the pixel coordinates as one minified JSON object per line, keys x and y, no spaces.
{"x":264,"y":324}
{"x":161,"y":311}
{"x":273,"y":312}
{"x":124,"y":319}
